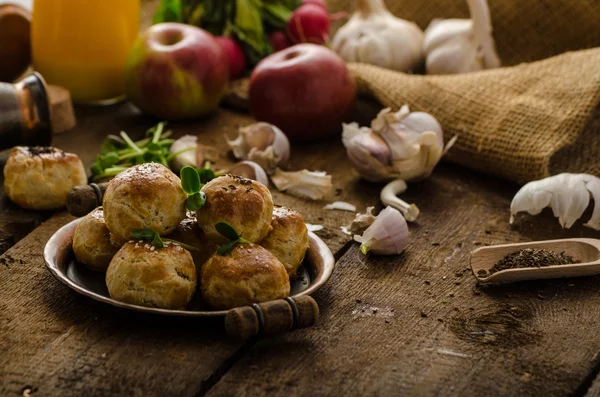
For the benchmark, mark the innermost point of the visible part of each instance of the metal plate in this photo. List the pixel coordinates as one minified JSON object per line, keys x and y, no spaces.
{"x":58,"y":254}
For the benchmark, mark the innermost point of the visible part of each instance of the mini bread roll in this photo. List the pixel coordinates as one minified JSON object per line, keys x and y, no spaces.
{"x":39,"y":178}
{"x":157,"y":277}
{"x":189,"y":233}
{"x":245,"y":204}
{"x":91,"y":241}
{"x":247,"y":274}
{"x":145,"y":196}
{"x":288,"y":240}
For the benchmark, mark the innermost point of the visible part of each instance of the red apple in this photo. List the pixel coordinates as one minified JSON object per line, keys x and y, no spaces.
{"x":306,"y":90}
{"x":235,"y":56}
{"x":176,"y":71}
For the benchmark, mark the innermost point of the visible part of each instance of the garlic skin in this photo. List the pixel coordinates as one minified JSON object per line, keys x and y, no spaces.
{"x":374,"y":35}
{"x":262,"y":143}
{"x":455,"y":46}
{"x":362,"y":221}
{"x":251,"y":170}
{"x":340,"y":206}
{"x":399,"y":145}
{"x":567,"y":194}
{"x":312,"y":185}
{"x":187,"y":158}
{"x":388,"y":235}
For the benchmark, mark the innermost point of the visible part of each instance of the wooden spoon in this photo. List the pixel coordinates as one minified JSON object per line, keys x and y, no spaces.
{"x":585,"y":250}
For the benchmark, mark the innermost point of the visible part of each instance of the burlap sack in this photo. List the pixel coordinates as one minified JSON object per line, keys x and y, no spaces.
{"x":523,"y":122}
{"x":525,"y":30}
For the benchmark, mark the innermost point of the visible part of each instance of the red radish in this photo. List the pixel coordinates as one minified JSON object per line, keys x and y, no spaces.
{"x":279,"y":41}
{"x":309,"y":23}
{"x":235,"y":56}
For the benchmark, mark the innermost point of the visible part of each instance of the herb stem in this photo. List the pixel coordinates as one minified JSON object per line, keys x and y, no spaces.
{"x":130,"y":143}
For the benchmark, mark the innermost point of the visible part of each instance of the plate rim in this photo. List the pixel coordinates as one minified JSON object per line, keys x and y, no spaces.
{"x":56,"y":242}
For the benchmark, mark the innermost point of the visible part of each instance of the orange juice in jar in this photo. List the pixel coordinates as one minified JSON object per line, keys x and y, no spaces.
{"x":82,"y":45}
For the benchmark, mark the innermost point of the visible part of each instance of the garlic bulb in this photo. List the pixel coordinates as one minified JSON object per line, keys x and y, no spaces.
{"x":251,"y":170}
{"x":567,"y":194}
{"x":399,"y":145}
{"x":185,"y":150}
{"x":461,"y":45}
{"x":388,"y":235}
{"x":362,"y":221}
{"x":313,"y":185}
{"x":373,"y":35}
{"x":262,"y":143}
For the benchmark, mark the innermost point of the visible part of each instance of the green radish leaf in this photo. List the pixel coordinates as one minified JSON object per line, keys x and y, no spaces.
{"x":225,"y":248}
{"x":145,"y":234}
{"x":227,"y":231}
{"x":276,"y":14}
{"x":190,"y":180}
{"x":195,"y":201}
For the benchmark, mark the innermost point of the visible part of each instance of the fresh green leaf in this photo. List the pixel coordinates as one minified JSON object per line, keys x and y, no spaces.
{"x":156,"y":241}
{"x":190,"y":180}
{"x":195,"y":201}
{"x":145,"y":234}
{"x":206,"y":175}
{"x":107,"y":147}
{"x":109,"y":159}
{"x":276,"y":14}
{"x":96,"y":168}
{"x":154,"y":148}
{"x":227,"y":231}
{"x":225,"y":248}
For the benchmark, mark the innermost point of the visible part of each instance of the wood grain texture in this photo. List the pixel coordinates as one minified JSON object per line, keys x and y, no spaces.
{"x":418,"y":324}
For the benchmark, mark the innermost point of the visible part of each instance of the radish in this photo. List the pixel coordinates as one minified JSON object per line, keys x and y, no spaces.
{"x":235,"y":56}
{"x":317,"y":2}
{"x":309,"y":23}
{"x":279,"y":41}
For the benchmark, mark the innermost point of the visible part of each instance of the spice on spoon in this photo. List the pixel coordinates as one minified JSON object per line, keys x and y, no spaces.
{"x":529,"y":257}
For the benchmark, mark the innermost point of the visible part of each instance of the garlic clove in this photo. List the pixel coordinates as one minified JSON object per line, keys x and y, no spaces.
{"x":389,"y":197}
{"x":567,"y":194}
{"x":263,"y":143}
{"x":362,"y":221}
{"x":250,"y":170}
{"x":368,"y":152}
{"x":312,"y":185}
{"x":388,"y":235}
{"x":186,"y":149}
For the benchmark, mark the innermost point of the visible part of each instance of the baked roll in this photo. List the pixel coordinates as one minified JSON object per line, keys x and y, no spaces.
{"x":144,"y":196}
{"x":39,"y":178}
{"x":189,"y":233}
{"x":157,"y":277}
{"x":288,"y":240}
{"x":245,"y":204}
{"x":91,"y":242}
{"x":247,"y":274}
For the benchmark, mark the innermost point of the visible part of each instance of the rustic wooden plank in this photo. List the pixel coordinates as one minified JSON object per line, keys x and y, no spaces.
{"x":417,"y":324}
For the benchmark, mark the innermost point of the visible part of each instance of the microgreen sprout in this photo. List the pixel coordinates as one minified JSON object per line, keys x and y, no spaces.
{"x":227,"y":231}
{"x":154,"y":238}
{"x":191,"y":184}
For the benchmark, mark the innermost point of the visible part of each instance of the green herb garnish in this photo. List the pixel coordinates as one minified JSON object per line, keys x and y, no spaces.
{"x":154,"y":238}
{"x":227,"y":231}
{"x":191,"y":184}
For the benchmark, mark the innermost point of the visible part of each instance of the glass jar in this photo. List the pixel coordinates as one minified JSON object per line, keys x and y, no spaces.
{"x":82,"y":45}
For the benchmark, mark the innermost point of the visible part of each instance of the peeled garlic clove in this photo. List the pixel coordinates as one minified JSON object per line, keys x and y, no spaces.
{"x":362,"y":221}
{"x":367,"y":152}
{"x":388,"y":235}
{"x":389,"y":196}
{"x":186,"y":147}
{"x":461,"y":45}
{"x":262,"y":143}
{"x":567,"y":194}
{"x":313,"y":185}
{"x":250,"y":170}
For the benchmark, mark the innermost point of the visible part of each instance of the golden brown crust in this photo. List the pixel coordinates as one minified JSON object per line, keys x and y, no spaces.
{"x":288,"y":240}
{"x":247,"y":274}
{"x":145,"y":196}
{"x":143,"y":275}
{"x":189,"y":233}
{"x":245,"y":204}
{"x":39,"y":178}
{"x":91,"y":241}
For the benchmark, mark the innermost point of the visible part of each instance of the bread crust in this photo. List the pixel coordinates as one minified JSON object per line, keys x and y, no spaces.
{"x":144,"y":196}
{"x":91,"y":242}
{"x":39,"y":178}
{"x":245,"y":204}
{"x":143,"y":275}
{"x":247,"y":274}
{"x":288,"y":240}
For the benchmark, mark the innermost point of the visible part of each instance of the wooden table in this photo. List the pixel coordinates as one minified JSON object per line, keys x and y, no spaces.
{"x":414,"y":324}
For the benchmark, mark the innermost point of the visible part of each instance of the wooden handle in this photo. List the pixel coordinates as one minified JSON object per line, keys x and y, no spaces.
{"x":271,"y":318}
{"x":82,"y":200}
